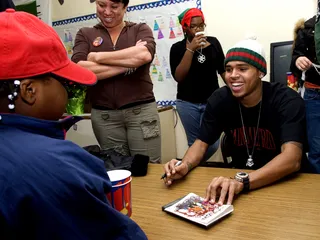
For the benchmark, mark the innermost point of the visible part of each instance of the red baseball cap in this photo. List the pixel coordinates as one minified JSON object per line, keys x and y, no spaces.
{"x":29,"y":47}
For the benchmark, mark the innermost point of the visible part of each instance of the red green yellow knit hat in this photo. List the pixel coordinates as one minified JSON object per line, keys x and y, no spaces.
{"x":249,"y":51}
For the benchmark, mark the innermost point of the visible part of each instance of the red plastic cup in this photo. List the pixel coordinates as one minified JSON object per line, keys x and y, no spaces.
{"x":120,"y":195}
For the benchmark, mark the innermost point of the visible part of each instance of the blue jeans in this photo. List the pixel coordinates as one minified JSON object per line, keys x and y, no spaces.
{"x":312,"y":101}
{"x":191,"y":115}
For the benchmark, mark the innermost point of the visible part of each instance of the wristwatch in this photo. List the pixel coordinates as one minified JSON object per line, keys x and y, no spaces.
{"x":243,"y":177}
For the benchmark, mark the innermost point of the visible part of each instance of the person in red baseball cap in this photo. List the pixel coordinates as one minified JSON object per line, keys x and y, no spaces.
{"x":32,"y":57}
{"x":50,"y":188}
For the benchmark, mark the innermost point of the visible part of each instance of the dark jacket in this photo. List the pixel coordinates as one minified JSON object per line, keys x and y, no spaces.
{"x":4,"y":4}
{"x":304,"y":45}
{"x":53,"y":189}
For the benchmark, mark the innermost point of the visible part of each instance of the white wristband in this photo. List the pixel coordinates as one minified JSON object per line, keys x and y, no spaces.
{"x":190,"y":50}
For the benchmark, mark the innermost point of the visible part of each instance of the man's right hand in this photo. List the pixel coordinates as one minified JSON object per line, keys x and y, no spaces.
{"x":174,"y":173}
{"x":303,"y":63}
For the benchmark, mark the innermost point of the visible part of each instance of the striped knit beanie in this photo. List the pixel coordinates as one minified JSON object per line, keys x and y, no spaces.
{"x":249,"y":51}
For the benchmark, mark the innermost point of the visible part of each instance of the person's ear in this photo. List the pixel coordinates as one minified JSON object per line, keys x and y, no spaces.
{"x":261,"y":75}
{"x":28,"y":90}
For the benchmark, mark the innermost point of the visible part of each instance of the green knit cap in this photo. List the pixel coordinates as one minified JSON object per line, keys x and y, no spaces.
{"x":249,"y":51}
{"x":180,"y":17}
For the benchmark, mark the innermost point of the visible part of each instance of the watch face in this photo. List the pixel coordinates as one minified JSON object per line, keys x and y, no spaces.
{"x":242,"y":175}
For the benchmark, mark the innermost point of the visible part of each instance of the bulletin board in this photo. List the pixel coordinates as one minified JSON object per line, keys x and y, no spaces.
{"x":162,"y":17}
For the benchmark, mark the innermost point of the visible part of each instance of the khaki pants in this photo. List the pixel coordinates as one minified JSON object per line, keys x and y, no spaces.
{"x":130,"y":131}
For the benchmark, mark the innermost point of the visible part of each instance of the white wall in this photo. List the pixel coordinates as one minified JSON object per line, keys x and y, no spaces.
{"x":71,"y":8}
{"x":271,"y":20}
{"x":75,"y":8}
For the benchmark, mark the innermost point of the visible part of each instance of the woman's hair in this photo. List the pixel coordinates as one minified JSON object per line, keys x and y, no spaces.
{"x":186,"y":16}
{"x":6,"y":88}
{"x":125,"y":2}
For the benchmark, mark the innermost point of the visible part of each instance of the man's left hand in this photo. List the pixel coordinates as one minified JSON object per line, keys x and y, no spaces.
{"x":223,"y":186}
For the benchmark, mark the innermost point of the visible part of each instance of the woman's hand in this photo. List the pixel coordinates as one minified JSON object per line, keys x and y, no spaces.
{"x":92,"y":57}
{"x":141,"y":43}
{"x":197,"y":42}
{"x":303,"y":63}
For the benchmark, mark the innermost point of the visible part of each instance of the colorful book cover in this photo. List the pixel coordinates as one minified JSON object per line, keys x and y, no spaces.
{"x":195,"y":209}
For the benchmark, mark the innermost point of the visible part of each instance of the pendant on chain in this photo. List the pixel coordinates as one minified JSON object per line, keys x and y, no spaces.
{"x":250,"y":162}
{"x":201,"y":58}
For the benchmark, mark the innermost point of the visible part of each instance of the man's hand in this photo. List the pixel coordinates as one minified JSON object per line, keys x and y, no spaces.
{"x":303,"y":63}
{"x":223,"y":186}
{"x":174,"y":172}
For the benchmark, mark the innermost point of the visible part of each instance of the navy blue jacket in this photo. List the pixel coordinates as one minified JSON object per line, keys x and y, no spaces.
{"x":4,"y":4}
{"x":53,"y":189}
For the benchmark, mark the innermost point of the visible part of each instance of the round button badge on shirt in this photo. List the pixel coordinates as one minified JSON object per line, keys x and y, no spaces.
{"x":97,"y":42}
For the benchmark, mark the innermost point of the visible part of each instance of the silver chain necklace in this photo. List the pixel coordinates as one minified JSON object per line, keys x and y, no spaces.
{"x":250,"y":162}
{"x":201,"y":58}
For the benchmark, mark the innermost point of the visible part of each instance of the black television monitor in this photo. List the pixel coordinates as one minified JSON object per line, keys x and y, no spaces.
{"x":280,"y":59}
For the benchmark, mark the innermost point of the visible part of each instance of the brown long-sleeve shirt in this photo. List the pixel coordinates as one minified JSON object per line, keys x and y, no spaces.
{"x":118,"y":91}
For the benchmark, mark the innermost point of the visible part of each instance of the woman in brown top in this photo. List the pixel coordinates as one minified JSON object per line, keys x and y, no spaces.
{"x":124,"y":113}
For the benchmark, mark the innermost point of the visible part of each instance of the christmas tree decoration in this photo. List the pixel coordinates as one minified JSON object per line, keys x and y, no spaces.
{"x":164,"y":62}
{"x":160,"y":79}
{"x":172,"y":35}
{"x":171,"y":24}
{"x":168,"y":74}
{"x":156,"y":26}
{"x":179,"y":32}
{"x":160,"y":34}
{"x":154,"y":70}
{"x":156,"y":60}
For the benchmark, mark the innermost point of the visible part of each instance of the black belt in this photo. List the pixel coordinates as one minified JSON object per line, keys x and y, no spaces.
{"x":129,"y":105}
